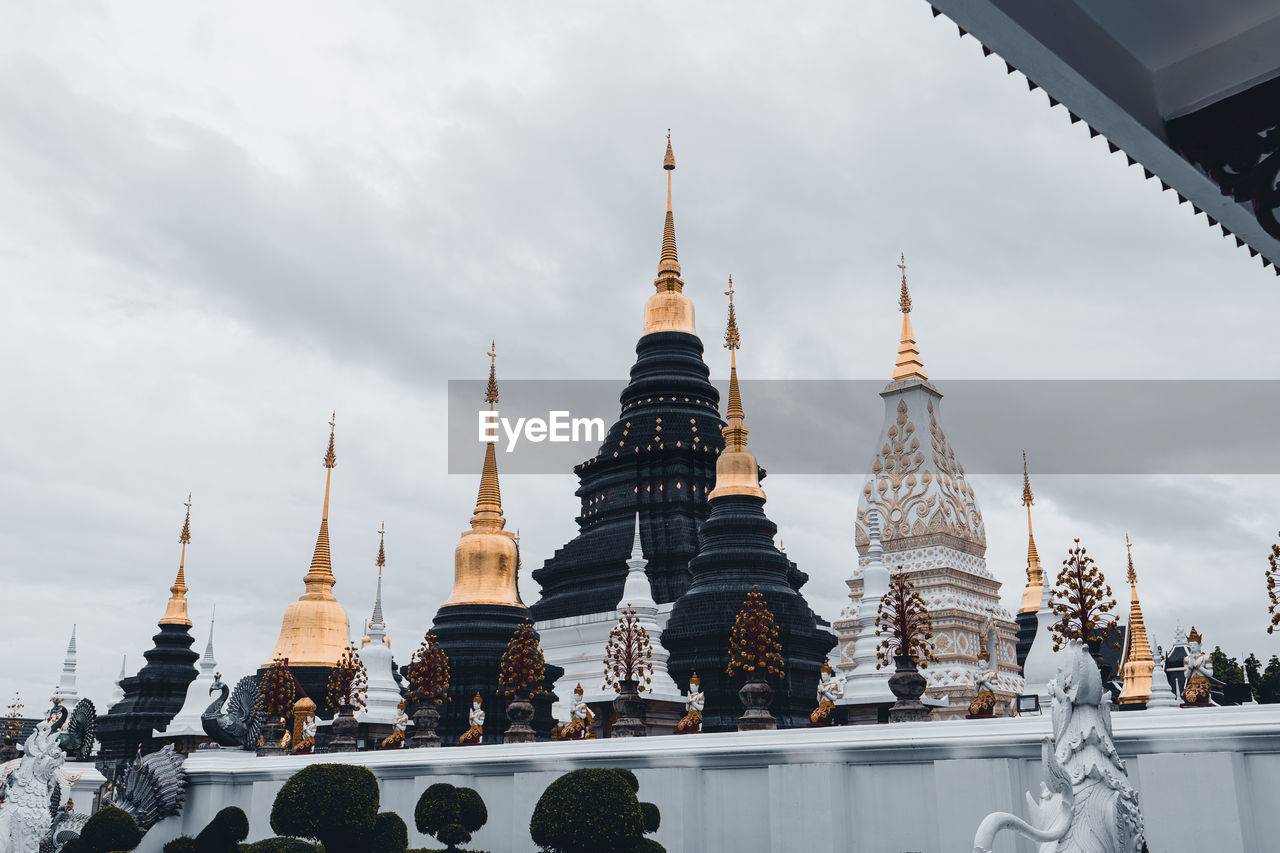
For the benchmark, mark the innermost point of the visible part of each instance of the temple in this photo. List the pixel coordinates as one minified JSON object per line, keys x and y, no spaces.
{"x":156,"y":692}
{"x":933,"y":530}
{"x":475,"y":624}
{"x":736,"y":556}
{"x":314,"y":632}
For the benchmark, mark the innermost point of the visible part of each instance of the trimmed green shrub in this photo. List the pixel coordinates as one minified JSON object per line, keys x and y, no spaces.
{"x":629,"y":776}
{"x":224,"y":833}
{"x":335,"y":804}
{"x":652,"y":817}
{"x":648,"y":845}
{"x":109,"y":829}
{"x":587,"y":810}
{"x":390,"y":835}
{"x":278,"y":845}
{"x":181,"y":844}
{"x":450,"y":814}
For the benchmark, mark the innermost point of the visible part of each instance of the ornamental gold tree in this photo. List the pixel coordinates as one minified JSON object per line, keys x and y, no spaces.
{"x":1273,"y":572}
{"x":523,"y":667}
{"x":428,"y":673}
{"x":1083,"y":602}
{"x":904,"y":624}
{"x":753,"y":641}
{"x":11,"y":725}
{"x":278,"y":689}
{"x":349,"y":681}
{"x":628,"y":657}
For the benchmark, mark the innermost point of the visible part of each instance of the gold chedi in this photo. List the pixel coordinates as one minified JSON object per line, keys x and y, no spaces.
{"x":486,"y":559}
{"x":908,"y":364}
{"x":668,"y":310}
{"x":175,"y":612}
{"x":1138,"y":663}
{"x":1034,"y":589}
{"x":737,"y":472}
{"x":314,"y":630}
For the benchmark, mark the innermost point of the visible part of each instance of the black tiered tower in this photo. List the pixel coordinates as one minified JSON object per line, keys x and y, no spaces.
{"x":474,"y":626}
{"x":658,"y":460}
{"x":156,"y":693}
{"x":737,"y":554}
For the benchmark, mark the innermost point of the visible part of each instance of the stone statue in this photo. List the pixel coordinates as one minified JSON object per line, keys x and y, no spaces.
{"x":829,"y":690}
{"x":25,"y":819}
{"x":301,"y":740}
{"x":1086,"y":804}
{"x":473,"y":735}
{"x":241,"y":723}
{"x":1198,"y":668}
{"x":581,"y":723}
{"x":395,"y":740}
{"x":984,"y":700}
{"x":691,"y":722}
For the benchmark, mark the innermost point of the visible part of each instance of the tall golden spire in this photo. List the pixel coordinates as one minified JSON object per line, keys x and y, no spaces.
{"x":908,"y":365}
{"x":1138,"y":663}
{"x":175,"y":612}
{"x":668,"y":310}
{"x":486,"y":561}
{"x":1035,"y":574}
{"x":736,"y":470}
{"x":320,"y":579}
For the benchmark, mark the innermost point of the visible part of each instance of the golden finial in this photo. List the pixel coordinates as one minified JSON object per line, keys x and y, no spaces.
{"x":319,"y":579}
{"x":908,"y":364}
{"x":736,"y":470}
{"x":1033,"y":591}
{"x":185,"y":536}
{"x":330,"y":458}
{"x":904,"y":301}
{"x":1027,"y":500}
{"x":735,"y":432}
{"x":669,"y":161}
{"x":731,"y":338}
{"x":668,"y":310}
{"x":382,"y":551}
{"x":175,"y":612}
{"x":1138,"y":662}
{"x":1128,"y":546}
{"x":491,"y":393}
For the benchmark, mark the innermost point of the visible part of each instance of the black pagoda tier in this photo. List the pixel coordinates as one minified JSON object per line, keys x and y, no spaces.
{"x":152,"y":697}
{"x":738,"y":554}
{"x":1028,"y":623}
{"x":473,"y":637}
{"x":659,"y":459}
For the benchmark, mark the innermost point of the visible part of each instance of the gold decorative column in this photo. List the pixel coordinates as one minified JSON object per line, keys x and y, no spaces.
{"x":908,"y":365}
{"x":1138,"y":663}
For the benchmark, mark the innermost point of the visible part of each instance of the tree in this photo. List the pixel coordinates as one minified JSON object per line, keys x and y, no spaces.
{"x":451,"y":815}
{"x":904,"y":624}
{"x":428,"y":673}
{"x":594,"y":809}
{"x":629,"y":654}
{"x":753,"y":640}
{"x":349,"y":681}
{"x":523,"y":668}
{"x":390,"y":835}
{"x":1273,"y":573}
{"x":224,"y":833}
{"x":1253,"y":669}
{"x":1268,"y":689}
{"x":335,"y":804}
{"x":108,"y":830}
{"x":1083,"y":601}
{"x":1225,"y":669}
{"x":278,"y":688}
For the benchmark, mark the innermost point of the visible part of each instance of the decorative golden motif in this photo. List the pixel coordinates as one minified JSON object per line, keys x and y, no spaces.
{"x":302,"y":738}
{"x":1083,"y":601}
{"x":1273,"y":571}
{"x":175,"y":612}
{"x":1138,"y":663}
{"x":908,"y":364}
{"x":737,"y":472}
{"x":314,"y":630}
{"x":669,"y":310}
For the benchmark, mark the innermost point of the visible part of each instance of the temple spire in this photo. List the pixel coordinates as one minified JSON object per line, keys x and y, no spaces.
{"x":320,"y":579}
{"x":1035,"y":573}
{"x":488,"y":512}
{"x":908,"y":364}
{"x":175,"y":613}
{"x":66,"y":691}
{"x":1138,"y":663}
{"x":669,"y":262}
{"x":377,"y":622}
{"x":668,"y":310}
{"x":736,"y":470}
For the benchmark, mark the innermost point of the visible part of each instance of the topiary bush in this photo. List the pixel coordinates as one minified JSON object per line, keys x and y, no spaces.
{"x":335,"y":804}
{"x":278,"y":845}
{"x":652,"y":817}
{"x":450,"y":815}
{"x":224,"y":833}
{"x":647,"y":845}
{"x":109,"y":829}
{"x":181,"y":844}
{"x":390,"y":835}
{"x":593,"y":809}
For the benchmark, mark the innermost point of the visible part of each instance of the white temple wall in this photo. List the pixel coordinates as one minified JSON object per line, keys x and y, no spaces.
{"x":1208,"y":780}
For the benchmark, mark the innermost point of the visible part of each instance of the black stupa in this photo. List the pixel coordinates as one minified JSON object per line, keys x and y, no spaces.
{"x":736,"y":555}
{"x":658,"y":460}
{"x":156,"y":693}
{"x":474,"y":626}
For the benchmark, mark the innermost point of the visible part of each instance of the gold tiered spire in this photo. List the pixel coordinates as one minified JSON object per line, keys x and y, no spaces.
{"x":320,"y":579}
{"x":485,"y":563}
{"x":175,"y":613}
{"x":668,"y":310}
{"x":908,"y":365}
{"x":1138,"y":663}
{"x":736,"y":470}
{"x":1035,"y":574}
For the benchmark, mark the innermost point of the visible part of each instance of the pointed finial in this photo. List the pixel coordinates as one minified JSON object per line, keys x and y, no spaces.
{"x":904,"y":301}
{"x":1128,"y":546}
{"x":491,"y":393}
{"x":319,"y":579}
{"x":1027,"y":500}
{"x":175,"y":612}
{"x":908,"y":364}
{"x":669,"y":262}
{"x":382,"y":551}
{"x":733,"y":411}
{"x":185,"y":536}
{"x":731,"y":338}
{"x":331,"y":459}
{"x":669,"y":161}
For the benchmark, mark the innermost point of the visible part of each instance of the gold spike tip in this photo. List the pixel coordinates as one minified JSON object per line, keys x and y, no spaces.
{"x":491,"y":392}
{"x":908,"y":364}
{"x":1133,"y":575}
{"x":382,"y":551}
{"x":904,"y":300}
{"x":669,"y":161}
{"x":1027,"y":499}
{"x":330,"y":458}
{"x":669,"y":310}
{"x":184,"y":537}
{"x":737,"y":472}
{"x":732,"y":339}
{"x":175,"y":612}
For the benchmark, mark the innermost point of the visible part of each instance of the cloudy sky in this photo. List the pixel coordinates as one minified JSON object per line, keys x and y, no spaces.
{"x":218,"y":226}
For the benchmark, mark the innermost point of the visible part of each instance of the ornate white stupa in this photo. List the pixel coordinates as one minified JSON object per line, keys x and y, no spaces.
{"x":1041,"y":665}
{"x":638,"y":595}
{"x":1161,"y":693}
{"x":383,"y":700}
{"x":186,"y":723}
{"x":864,"y":684}
{"x":117,"y":692}
{"x":66,"y":692}
{"x":933,"y":531}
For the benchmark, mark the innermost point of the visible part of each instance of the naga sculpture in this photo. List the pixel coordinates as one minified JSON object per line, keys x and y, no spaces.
{"x":150,"y":787}
{"x":241,"y":723}
{"x":25,"y":819}
{"x":1086,"y":804}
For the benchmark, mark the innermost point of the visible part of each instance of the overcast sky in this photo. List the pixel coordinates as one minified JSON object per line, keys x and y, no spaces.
{"x":218,"y":226}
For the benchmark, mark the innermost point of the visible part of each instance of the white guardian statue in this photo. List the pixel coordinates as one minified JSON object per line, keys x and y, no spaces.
{"x":1086,"y":804}
{"x":24,"y":817}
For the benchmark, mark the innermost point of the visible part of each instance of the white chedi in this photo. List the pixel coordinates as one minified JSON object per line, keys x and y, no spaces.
{"x":866,"y":684}
{"x":66,"y":692}
{"x":187,"y":722}
{"x":382,"y":702}
{"x":638,"y":596}
{"x":1086,"y":804}
{"x":1161,"y":692}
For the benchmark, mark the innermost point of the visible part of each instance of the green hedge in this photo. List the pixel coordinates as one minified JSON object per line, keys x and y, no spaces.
{"x":335,"y":804}
{"x":279,"y":845}
{"x":390,"y":835}
{"x":110,"y":829}
{"x":451,"y":815}
{"x":224,"y":833}
{"x":590,"y":810}
{"x":181,"y":844}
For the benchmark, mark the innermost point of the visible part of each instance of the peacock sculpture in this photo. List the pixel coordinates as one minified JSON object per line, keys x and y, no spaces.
{"x":240,"y":724}
{"x":81,"y":725}
{"x":151,"y":787}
